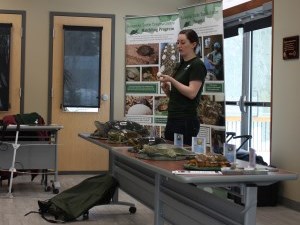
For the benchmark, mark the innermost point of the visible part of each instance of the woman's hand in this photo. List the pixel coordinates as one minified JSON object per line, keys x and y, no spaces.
{"x":165,"y":78}
{"x":165,"y":86}
{"x":189,"y":91}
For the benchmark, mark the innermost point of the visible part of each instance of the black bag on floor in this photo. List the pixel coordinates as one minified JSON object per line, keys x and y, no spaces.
{"x":76,"y":201}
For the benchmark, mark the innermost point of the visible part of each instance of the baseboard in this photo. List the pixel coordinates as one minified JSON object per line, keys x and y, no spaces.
{"x":290,"y":203}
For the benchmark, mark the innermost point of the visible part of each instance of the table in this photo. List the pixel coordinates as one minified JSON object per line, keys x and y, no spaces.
{"x":30,"y":147}
{"x":181,"y":199}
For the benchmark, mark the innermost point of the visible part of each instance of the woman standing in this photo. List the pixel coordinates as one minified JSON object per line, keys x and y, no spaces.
{"x":184,"y":88}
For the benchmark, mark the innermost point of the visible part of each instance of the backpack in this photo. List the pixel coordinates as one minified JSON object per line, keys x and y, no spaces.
{"x":22,"y":119}
{"x":77,"y":200}
{"x":32,"y":118}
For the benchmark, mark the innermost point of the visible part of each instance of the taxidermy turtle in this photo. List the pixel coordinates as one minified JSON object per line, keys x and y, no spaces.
{"x":164,"y":152}
{"x":145,"y":50}
{"x":117,"y":125}
{"x":138,"y":143}
{"x":122,"y":136}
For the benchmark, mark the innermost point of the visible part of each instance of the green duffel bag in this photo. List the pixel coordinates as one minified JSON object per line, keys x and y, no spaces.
{"x":77,"y":200}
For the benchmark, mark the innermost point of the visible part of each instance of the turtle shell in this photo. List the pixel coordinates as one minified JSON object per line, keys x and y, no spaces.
{"x":121,"y":136}
{"x":138,"y":143}
{"x":145,"y":50}
{"x":166,"y":150}
{"x":104,"y":128}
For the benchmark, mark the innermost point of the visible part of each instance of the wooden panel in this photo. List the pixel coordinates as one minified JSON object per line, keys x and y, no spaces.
{"x":15,"y":62}
{"x":74,"y":154}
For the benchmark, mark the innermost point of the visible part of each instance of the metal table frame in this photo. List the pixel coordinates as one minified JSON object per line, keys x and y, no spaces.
{"x":180,"y":199}
{"x":26,"y":151}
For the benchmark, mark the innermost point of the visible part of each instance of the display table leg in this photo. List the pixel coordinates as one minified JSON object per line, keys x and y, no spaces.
{"x":250,"y":205}
{"x":158,"y":219}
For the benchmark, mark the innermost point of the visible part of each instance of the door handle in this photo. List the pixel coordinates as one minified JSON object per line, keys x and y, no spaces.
{"x":242,"y":104}
{"x":104,"y":97}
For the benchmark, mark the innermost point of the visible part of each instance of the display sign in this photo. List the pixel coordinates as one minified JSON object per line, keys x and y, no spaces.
{"x":291,"y":47}
{"x":214,"y":87}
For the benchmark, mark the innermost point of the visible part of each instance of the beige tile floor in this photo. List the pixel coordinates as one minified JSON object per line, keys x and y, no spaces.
{"x":26,"y":194}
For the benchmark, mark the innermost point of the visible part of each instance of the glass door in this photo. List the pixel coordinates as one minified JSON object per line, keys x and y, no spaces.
{"x":247,"y":59}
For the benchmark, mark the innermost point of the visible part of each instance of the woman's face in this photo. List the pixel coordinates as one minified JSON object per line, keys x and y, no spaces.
{"x":185,"y":47}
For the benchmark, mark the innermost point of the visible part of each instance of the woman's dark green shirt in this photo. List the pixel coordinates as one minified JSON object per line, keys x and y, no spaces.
{"x":179,"y":105}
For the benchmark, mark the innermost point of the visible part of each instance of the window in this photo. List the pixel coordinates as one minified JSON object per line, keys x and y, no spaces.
{"x":4,"y":65}
{"x":247,"y":59}
{"x":231,"y":3}
{"x":82,"y":67}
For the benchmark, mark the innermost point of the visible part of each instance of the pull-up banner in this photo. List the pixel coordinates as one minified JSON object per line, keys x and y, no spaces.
{"x":207,"y":21}
{"x":150,"y":47}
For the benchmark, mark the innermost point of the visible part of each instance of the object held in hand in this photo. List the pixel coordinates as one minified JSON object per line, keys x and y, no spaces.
{"x":159,"y":74}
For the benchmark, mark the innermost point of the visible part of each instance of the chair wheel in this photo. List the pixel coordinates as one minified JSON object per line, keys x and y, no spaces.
{"x":55,"y":191}
{"x":47,"y":188}
{"x":85,"y":215}
{"x":132,"y":210}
